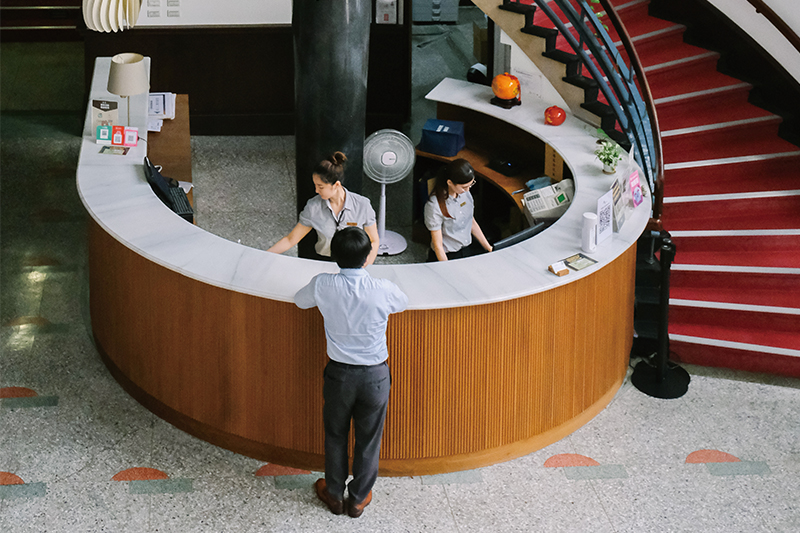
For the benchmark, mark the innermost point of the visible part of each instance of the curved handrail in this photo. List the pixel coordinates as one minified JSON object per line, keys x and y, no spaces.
{"x":647,"y":96}
{"x":635,"y":113}
{"x":777,"y":21}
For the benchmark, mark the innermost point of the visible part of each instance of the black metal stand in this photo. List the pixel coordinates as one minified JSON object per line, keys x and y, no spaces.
{"x":662,"y":380}
{"x":504,"y":103}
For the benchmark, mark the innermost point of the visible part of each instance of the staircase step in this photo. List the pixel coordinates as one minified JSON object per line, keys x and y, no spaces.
{"x":633,"y":15}
{"x":700,"y":351}
{"x":681,"y":84}
{"x":758,"y":139}
{"x":541,"y":31}
{"x":747,"y":288}
{"x":643,"y":29}
{"x":599,"y":109}
{"x":540,"y":18}
{"x":561,"y":56}
{"x":518,"y":7}
{"x":719,"y":108}
{"x":773,"y":174}
{"x":670,"y":52}
{"x":766,"y":251}
{"x":581,"y":81}
{"x":773,"y":212}
{"x":778,"y":330}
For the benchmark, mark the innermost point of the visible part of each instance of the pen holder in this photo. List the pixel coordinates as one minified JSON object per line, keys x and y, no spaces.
{"x":589,"y":233}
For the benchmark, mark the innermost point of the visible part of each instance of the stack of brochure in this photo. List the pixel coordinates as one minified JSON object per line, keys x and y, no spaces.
{"x":161,"y":106}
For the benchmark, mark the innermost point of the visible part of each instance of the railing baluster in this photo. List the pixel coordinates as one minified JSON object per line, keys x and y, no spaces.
{"x":615,"y":79}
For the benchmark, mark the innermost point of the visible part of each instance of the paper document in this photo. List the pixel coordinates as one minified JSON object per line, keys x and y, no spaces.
{"x":162,"y":105}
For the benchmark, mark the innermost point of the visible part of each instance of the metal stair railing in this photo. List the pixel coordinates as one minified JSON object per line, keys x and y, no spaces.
{"x":616,"y":80}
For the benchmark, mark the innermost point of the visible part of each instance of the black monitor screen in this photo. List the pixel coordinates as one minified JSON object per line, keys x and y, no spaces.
{"x":518,"y":237}
{"x":156,"y":181}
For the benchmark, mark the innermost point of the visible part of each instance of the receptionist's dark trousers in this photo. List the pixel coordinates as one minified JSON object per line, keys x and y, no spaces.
{"x":360,"y":393}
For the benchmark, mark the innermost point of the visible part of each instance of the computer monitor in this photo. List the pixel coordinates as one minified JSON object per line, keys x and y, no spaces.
{"x":518,"y":237}
{"x":157,"y":182}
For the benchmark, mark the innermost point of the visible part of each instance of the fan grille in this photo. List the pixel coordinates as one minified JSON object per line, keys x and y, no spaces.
{"x":389,"y":156}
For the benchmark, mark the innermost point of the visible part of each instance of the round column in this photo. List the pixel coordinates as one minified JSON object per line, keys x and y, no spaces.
{"x":331,"y":52}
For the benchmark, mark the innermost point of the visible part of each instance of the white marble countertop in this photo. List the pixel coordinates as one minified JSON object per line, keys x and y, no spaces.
{"x":115,"y":193}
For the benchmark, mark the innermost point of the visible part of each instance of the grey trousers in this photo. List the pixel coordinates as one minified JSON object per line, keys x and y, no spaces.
{"x":360,"y":393}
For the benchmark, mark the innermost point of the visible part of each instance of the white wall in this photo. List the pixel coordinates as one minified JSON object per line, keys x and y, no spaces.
{"x":531,"y":80}
{"x":214,"y":12}
{"x":760,"y":29}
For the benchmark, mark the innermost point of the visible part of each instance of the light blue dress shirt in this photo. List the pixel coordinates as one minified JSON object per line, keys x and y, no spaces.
{"x":356,"y":308}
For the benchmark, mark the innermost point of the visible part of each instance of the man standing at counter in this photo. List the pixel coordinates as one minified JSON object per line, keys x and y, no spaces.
{"x":355,"y":307}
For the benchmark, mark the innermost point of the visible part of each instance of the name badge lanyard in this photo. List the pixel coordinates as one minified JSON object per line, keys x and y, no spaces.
{"x":338,"y":220}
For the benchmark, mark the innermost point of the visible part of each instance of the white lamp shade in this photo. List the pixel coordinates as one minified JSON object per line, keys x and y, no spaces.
{"x":128,"y":75}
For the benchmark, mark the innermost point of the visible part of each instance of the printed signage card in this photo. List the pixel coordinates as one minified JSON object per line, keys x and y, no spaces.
{"x":604,"y":216}
{"x":131,"y":136}
{"x":619,"y":204}
{"x":636,"y":188}
{"x":117,"y":135}
{"x":579,"y":261}
{"x":104,"y":113}
{"x":103,"y":135}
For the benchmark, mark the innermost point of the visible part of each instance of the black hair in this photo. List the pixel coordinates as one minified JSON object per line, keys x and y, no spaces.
{"x":459,"y":171}
{"x":331,"y":169}
{"x":350,"y":247}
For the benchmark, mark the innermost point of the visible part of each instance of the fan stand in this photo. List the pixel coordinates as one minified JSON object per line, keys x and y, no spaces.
{"x":392,"y":243}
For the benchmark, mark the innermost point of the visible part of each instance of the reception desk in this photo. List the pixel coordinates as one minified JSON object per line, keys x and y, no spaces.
{"x":494,"y":358}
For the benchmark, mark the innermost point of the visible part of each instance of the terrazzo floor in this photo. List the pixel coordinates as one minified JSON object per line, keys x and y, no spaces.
{"x":77,"y":454}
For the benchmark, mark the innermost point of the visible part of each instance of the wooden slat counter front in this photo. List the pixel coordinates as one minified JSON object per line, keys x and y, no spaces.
{"x":495,"y":357}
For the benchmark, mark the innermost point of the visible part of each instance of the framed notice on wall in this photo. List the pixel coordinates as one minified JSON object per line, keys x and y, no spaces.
{"x":214,"y":13}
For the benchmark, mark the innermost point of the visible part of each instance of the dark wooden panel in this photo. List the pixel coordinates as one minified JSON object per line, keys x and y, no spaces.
{"x":171,"y":147}
{"x":240,"y":80}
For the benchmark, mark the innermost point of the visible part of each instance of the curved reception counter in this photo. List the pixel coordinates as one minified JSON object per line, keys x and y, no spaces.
{"x":495,"y":357}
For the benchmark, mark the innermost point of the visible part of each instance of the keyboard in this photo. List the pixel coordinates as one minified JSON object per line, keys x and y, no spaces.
{"x":180,"y":204}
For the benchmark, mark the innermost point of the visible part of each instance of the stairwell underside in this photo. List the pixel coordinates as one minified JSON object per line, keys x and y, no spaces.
{"x":511,"y":23}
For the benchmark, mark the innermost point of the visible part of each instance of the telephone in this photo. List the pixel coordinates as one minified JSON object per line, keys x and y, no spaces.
{"x":548,"y":203}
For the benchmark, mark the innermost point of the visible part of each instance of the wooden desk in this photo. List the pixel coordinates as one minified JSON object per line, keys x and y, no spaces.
{"x":172,"y":146}
{"x":479,"y":159}
{"x":204,"y":332}
{"x":488,"y":137}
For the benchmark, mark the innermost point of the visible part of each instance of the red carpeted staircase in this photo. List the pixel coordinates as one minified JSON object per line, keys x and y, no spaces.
{"x":732,"y":204}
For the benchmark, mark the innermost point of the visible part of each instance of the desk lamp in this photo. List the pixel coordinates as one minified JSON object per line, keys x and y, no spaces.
{"x":128,"y":76}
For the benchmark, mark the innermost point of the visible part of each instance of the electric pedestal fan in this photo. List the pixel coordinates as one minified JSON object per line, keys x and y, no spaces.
{"x":389,"y":157}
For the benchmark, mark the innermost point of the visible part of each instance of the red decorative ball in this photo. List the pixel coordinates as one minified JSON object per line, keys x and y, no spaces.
{"x":554,"y":116}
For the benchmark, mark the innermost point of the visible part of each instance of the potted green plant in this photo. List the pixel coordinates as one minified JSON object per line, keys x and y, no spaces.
{"x":609,"y":154}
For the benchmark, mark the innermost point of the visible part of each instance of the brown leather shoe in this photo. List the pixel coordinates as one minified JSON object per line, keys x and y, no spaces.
{"x":356,"y":509}
{"x":336,"y":506}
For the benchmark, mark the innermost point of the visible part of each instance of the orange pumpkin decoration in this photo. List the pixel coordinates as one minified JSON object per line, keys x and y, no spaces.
{"x":506,"y":86}
{"x":554,"y":116}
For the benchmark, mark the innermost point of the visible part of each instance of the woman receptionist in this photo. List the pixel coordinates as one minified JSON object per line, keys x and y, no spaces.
{"x":332,"y":209}
{"x":449,"y":215}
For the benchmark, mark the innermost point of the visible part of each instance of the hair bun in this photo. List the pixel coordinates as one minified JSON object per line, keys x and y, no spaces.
{"x":338,"y":158}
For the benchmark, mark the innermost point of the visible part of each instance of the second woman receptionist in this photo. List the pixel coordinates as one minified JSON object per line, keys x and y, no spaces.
{"x":449,"y":215}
